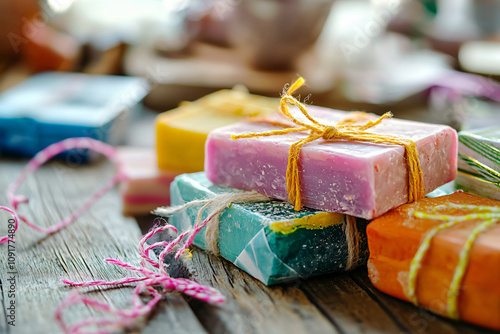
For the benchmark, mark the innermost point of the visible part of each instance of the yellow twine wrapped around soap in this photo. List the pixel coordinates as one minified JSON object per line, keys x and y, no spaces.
{"x":346,"y":129}
{"x":487,"y":215}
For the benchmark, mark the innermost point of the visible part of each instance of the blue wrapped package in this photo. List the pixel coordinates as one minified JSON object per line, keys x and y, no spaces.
{"x":53,"y":106}
{"x":270,"y":240}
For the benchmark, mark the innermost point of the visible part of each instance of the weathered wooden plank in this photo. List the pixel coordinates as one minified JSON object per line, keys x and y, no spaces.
{"x":4,"y":328}
{"x":251,"y":307}
{"x":349,"y":306}
{"x":416,"y":320}
{"x":75,"y":253}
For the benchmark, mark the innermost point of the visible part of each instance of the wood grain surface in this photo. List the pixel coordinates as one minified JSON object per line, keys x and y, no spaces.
{"x":341,"y":303}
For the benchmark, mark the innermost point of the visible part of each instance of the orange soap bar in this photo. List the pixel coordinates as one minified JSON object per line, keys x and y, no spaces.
{"x":395,"y":237}
{"x":181,"y":133}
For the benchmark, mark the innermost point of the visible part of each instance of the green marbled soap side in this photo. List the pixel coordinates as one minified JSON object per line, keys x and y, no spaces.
{"x":249,"y":238}
{"x":479,"y":153}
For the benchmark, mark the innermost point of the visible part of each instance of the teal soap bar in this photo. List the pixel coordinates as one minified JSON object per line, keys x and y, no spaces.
{"x":269,"y":240}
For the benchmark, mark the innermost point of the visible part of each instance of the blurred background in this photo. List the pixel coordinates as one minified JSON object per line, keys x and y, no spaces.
{"x":429,"y":60}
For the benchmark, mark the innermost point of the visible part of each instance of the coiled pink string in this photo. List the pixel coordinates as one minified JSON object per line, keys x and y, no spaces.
{"x":150,"y":277}
{"x":45,"y":155}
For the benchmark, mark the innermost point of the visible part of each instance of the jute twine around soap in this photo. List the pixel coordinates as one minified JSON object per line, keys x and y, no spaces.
{"x":215,"y":206}
{"x":346,"y":129}
{"x":353,"y":240}
{"x":487,"y":215}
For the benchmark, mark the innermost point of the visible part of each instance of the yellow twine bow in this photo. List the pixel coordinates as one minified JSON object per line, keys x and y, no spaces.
{"x":346,"y":129}
{"x":486,"y":214}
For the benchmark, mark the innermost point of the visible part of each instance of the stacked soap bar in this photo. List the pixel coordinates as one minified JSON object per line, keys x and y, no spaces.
{"x":445,"y":189}
{"x":359,"y":179}
{"x":147,"y":187}
{"x":479,"y":162}
{"x":182,"y":132}
{"x":269,"y":240}
{"x":395,"y":237}
{"x":478,"y":185}
{"x":50,"y":107}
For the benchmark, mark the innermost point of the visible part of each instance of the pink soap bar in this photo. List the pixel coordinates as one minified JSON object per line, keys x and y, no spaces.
{"x":147,"y":187}
{"x":359,"y":179}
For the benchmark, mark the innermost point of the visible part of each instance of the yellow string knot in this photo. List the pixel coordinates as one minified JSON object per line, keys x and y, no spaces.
{"x":345,"y":129}
{"x":329,"y":132}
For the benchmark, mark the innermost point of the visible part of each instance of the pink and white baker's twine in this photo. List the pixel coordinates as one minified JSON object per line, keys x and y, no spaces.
{"x":45,"y":155}
{"x":151,"y":272}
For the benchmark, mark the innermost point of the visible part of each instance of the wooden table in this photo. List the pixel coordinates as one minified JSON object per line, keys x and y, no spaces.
{"x":340,"y":303}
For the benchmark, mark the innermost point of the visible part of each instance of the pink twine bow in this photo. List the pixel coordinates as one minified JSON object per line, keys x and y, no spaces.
{"x":149,"y":279}
{"x":45,"y":155}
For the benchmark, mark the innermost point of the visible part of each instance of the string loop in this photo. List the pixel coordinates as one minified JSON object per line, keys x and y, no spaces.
{"x":150,"y":274}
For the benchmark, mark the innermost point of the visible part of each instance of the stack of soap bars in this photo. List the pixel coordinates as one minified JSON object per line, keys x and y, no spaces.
{"x":343,"y":184}
{"x":181,"y":135}
{"x":325,"y":174}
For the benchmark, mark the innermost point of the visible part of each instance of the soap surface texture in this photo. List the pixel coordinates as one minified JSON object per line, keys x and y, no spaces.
{"x":269,"y":240}
{"x":395,"y":237}
{"x":359,"y":179}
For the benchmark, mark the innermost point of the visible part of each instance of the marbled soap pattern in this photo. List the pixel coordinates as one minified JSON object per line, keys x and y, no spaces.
{"x":360,"y":179}
{"x":269,"y":240}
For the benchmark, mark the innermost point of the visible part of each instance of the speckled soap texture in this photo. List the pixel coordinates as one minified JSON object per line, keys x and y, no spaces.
{"x":360,"y":179}
{"x":269,"y":240}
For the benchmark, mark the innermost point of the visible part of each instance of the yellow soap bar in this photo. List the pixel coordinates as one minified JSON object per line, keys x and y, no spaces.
{"x":181,"y":133}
